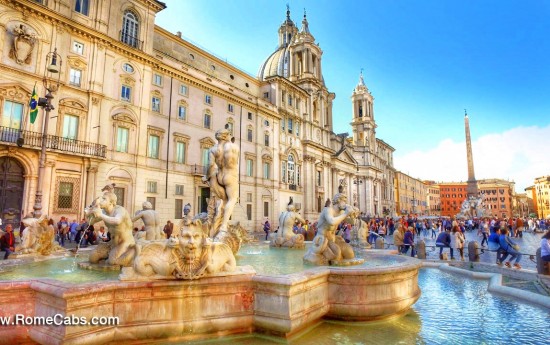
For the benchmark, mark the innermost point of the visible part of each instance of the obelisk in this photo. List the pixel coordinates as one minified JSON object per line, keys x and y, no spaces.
{"x":471,"y":188}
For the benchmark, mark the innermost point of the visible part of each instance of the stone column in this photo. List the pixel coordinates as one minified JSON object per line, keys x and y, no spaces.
{"x":91,"y":172}
{"x":48,"y":193}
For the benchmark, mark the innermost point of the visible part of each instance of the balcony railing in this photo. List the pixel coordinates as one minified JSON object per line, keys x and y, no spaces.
{"x":199,"y":170}
{"x":130,"y":40}
{"x":53,"y":142}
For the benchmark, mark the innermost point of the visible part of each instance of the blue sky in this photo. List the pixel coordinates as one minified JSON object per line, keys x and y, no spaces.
{"x":424,"y":61}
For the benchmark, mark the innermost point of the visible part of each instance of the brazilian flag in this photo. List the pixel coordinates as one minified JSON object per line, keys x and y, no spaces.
{"x":34,"y":105}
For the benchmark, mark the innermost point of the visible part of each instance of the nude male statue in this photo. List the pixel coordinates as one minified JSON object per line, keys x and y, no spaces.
{"x":121,"y":249}
{"x":223,"y":177}
{"x":286,"y":237}
{"x":151,"y":221}
{"x":327,"y":247}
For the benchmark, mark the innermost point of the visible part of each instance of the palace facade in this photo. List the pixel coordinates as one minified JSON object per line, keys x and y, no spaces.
{"x":138,"y":106}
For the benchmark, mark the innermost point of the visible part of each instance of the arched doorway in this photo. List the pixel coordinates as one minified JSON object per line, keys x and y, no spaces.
{"x":12,"y":182}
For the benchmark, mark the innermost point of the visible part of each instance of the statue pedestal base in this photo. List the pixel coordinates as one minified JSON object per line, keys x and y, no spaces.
{"x":102,"y":266}
{"x":129,"y":274}
{"x":347,"y":262}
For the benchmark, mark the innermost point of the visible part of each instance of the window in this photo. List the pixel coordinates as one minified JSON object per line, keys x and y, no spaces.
{"x":78,"y":48}
{"x":122,"y":139}
{"x":205,"y":155}
{"x":126,"y":93}
{"x":12,"y":114}
{"x":249,"y":115}
{"x":178,"y":207}
{"x":70,"y":127}
{"x":267,"y":169}
{"x":130,"y":29}
{"x":119,"y":192}
{"x":249,"y":167}
{"x":182,"y":112}
{"x":266,"y":123}
{"x":249,"y":134}
{"x":155,"y":104}
{"x":157,"y":79}
{"x":179,"y":190}
{"x":82,"y":6}
{"x":74,"y":77}
{"x":230,"y":108}
{"x":291,"y":169}
{"x":207,"y":120}
{"x":266,"y":139}
{"x":153,"y":201}
{"x":128,"y":68}
{"x":318,"y":178}
{"x":151,"y":186}
{"x":153,"y":150}
{"x":297,"y":128}
{"x":283,"y":171}
{"x":289,"y":100}
{"x":208,"y":99}
{"x":230,"y":126}
{"x":65,"y":199}
{"x":248,"y":197}
{"x":183,"y":90}
{"x":180,"y":152}
{"x":266,"y":209}
{"x":249,"y":211}
{"x":266,"y":94}
{"x":298,"y":175}
{"x":290,"y":123}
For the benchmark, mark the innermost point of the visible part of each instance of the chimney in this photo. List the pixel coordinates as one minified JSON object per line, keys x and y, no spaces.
{"x":178,"y":34}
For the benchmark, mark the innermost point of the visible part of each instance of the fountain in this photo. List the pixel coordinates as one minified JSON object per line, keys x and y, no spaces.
{"x":189,"y":286}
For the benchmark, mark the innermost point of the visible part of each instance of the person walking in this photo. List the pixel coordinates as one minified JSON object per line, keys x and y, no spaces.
{"x":510,"y":247}
{"x":398,"y":237}
{"x":545,"y":247}
{"x":7,"y":241}
{"x":456,"y":241}
{"x":267,"y":229}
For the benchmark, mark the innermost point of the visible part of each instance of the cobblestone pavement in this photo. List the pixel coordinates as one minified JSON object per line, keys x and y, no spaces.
{"x":528,"y":244}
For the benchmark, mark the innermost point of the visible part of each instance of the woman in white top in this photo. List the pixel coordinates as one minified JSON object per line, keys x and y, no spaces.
{"x":457,"y":242}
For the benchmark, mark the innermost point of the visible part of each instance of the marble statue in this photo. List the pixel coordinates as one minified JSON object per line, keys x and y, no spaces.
{"x":472,"y":208}
{"x":328,"y":248}
{"x":120,"y":250}
{"x":223,"y":177}
{"x":38,"y":237}
{"x":151,"y":221}
{"x":188,"y":254}
{"x":359,"y":230}
{"x":285,"y":237}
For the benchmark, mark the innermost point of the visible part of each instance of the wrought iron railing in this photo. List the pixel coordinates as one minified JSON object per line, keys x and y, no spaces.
{"x":196,"y":169}
{"x":53,"y":142}
{"x":130,"y":40}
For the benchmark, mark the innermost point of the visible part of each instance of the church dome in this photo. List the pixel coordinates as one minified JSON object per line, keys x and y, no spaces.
{"x":275,"y":65}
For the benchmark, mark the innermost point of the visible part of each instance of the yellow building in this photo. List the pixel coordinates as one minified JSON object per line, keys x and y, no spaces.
{"x":138,"y":106}
{"x":541,"y":196}
{"x":410,"y":195}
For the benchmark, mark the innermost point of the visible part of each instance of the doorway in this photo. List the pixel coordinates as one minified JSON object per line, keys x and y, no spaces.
{"x":12,"y":183}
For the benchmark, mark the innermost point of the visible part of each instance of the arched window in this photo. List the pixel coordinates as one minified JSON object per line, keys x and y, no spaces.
{"x":130,"y":30}
{"x":291,"y":167}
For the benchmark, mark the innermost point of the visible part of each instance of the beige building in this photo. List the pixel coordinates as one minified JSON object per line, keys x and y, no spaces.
{"x":541,"y":196}
{"x":138,"y":106}
{"x":498,"y":196}
{"x":410,"y":195}
{"x":433,"y":199}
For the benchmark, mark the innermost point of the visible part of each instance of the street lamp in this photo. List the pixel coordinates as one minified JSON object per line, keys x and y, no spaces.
{"x":540,"y":202}
{"x":51,"y":71}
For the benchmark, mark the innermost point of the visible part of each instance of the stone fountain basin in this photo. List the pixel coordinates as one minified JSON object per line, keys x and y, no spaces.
{"x":241,"y":302}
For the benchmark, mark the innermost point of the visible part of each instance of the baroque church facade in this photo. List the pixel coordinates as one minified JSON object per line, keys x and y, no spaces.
{"x":138,"y":106}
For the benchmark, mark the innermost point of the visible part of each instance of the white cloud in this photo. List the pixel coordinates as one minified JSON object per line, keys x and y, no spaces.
{"x":520,"y":154}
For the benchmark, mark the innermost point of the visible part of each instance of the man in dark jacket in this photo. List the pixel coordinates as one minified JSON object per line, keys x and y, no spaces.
{"x":443,"y":240}
{"x":168,"y":228}
{"x":7,"y":241}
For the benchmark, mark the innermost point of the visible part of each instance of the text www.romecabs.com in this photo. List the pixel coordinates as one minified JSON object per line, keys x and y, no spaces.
{"x":58,"y":320}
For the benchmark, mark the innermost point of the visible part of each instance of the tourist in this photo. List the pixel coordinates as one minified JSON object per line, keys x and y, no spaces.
{"x":494,"y":246}
{"x":347,"y":233}
{"x":510,"y":247}
{"x":408,"y":241}
{"x":267,"y":229}
{"x":443,"y":241}
{"x":7,"y":241}
{"x":168,"y":229}
{"x":484,"y":230}
{"x":519,"y":227}
{"x":545,"y":247}
{"x":102,"y":235}
{"x":457,"y":242}
{"x":398,"y":237}
{"x":434,"y":228}
{"x":89,"y":236}
{"x":72,"y":230}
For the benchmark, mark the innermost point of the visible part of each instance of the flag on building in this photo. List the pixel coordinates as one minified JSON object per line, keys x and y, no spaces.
{"x":34,"y":105}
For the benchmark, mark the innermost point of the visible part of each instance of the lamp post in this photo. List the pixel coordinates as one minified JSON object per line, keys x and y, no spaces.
{"x":539,"y":194}
{"x":357,"y":181}
{"x":51,"y":71}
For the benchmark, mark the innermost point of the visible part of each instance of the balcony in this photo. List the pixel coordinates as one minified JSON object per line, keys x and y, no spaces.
{"x":130,"y":40}
{"x":197,"y":170}
{"x":53,"y":142}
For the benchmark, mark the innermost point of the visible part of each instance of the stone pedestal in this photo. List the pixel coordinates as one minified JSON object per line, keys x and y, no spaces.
{"x":542,"y":267}
{"x":421,"y":249}
{"x":473,"y":251}
{"x":379,"y":244}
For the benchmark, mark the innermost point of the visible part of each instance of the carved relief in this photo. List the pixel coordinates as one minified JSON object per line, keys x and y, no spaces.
{"x":14,"y":92}
{"x":23,"y":44}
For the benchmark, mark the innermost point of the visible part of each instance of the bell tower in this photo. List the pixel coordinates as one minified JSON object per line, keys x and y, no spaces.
{"x":363,"y":124}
